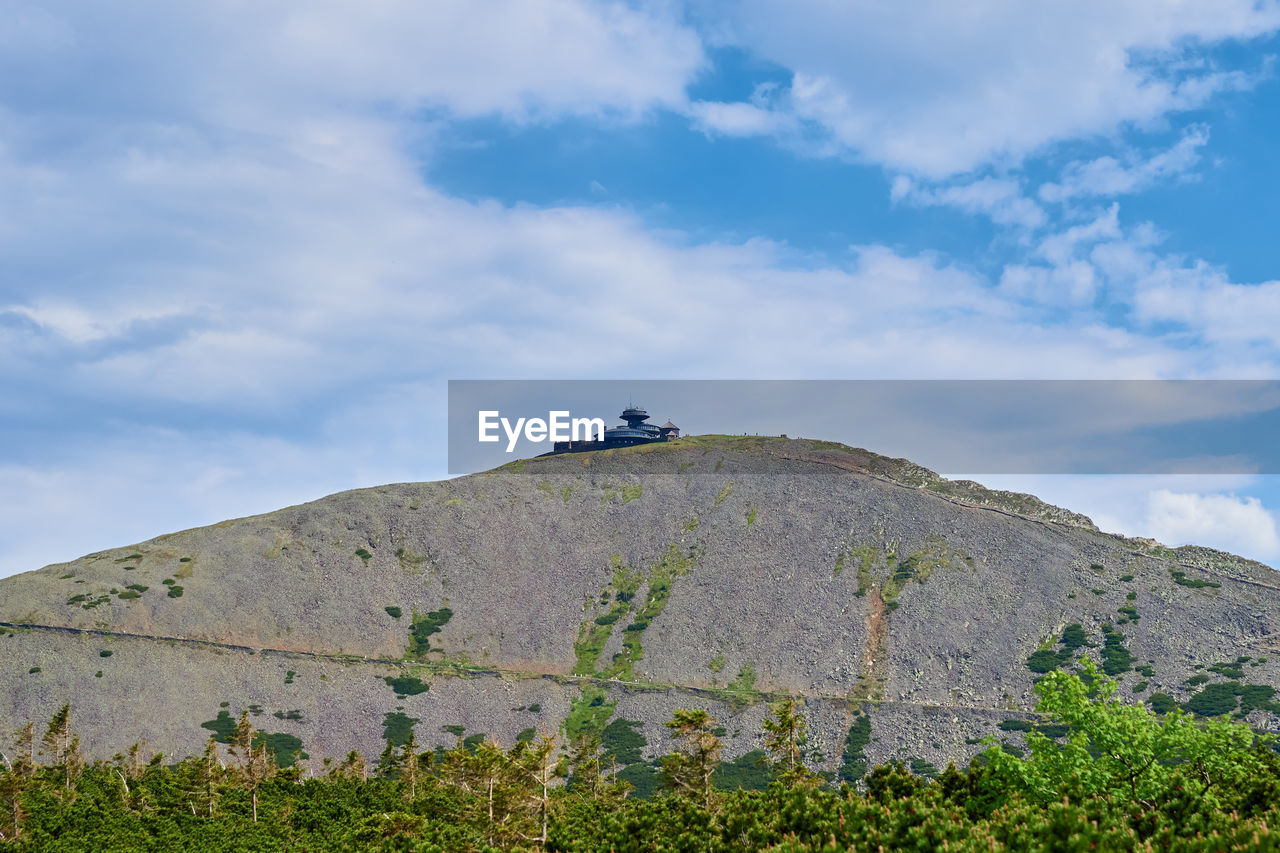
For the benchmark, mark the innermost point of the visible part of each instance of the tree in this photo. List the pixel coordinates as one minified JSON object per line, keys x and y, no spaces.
{"x":209,"y":774}
{"x":62,"y":745}
{"x":689,"y":770}
{"x":784,"y":739}
{"x":1123,"y":750}
{"x":409,"y":765}
{"x":353,"y":766}
{"x":537,"y":764}
{"x":586,"y":776}
{"x":257,"y":763}
{"x":388,"y":765}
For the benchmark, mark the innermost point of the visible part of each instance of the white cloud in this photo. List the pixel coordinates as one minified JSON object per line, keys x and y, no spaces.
{"x":229,"y":236}
{"x":1106,"y":176}
{"x":739,"y":119}
{"x":1216,"y":520}
{"x":255,"y":66}
{"x":940,"y":88}
{"x":1072,"y":283}
{"x":1172,"y":509}
{"x":1000,"y":199}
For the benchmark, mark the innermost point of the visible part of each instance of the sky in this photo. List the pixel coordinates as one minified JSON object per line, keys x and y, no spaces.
{"x":244,"y":246}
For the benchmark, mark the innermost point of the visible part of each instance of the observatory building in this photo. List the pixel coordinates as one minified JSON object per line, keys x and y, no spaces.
{"x":634,"y":431}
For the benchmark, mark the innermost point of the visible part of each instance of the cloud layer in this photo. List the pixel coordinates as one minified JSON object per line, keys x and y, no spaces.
{"x":225,"y":285}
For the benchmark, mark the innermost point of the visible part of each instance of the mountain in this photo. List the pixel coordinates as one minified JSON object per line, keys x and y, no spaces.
{"x":603,"y":590}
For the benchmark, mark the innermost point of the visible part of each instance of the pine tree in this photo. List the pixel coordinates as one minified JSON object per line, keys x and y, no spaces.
{"x":388,"y":765}
{"x":353,"y":766}
{"x":210,"y":772}
{"x":17,"y":773}
{"x":689,"y":771}
{"x":409,"y":766}
{"x":784,"y":739}
{"x":536,"y":767}
{"x":257,"y":763}
{"x":63,"y":746}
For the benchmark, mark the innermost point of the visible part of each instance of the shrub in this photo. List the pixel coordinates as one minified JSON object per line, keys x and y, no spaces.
{"x":424,"y":627}
{"x":1181,"y":579}
{"x":407,"y":685}
{"x":1115,"y":657}
{"x":393,"y":612}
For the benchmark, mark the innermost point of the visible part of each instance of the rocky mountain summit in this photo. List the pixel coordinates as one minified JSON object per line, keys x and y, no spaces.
{"x":600,"y":591}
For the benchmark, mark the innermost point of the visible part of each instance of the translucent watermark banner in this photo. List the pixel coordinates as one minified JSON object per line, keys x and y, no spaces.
{"x":969,"y":426}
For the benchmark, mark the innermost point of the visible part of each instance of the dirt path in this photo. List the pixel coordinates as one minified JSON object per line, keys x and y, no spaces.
{"x":873,"y":662}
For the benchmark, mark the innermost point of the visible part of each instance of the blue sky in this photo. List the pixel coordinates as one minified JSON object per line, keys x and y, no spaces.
{"x":243,"y":247}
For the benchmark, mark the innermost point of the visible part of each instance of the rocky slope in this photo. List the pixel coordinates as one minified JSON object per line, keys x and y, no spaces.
{"x":618,"y":585}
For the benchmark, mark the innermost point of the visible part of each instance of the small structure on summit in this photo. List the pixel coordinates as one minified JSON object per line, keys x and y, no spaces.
{"x":634,"y":431}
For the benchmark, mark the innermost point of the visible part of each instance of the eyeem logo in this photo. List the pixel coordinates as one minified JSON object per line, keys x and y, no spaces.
{"x":558,"y":426}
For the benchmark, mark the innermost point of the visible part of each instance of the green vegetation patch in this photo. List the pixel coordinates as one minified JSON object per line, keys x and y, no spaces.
{"x":394,"y":612}
{"x":594,"y":633}
{"x":1230,"y":670}
{"x":746,"y":680}
{"x":1046,"y":660}
{"x":364,"y":554}
{"x":105,"y":653}
{"x":222,"y":726}
{"x":1016,"y":725}
{"x":588,"y":713}
{"x":1161,"y":703}
{"x":397,"y":726}
{"x":407,"y":685}
{"x":927,"y":769}
{"x":748,"y":772}
{"x":1232,"y":697}
{"x":628,"y":493}
{"x":175,"y":592}
{"x":423,"y":627}
{"x":623,"y":742}
{"x":1115,"y":657}
{"x":287,"y":748}
{"x":674,"y":563}
{"x":1181,"y":579}
{"x":853,"y":762}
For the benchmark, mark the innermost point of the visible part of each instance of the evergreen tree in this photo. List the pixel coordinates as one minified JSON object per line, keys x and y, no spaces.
{"x":209,"y":774}
{"x":688,"y":772}
{"x":62,"y":746}
{"x":409,"y":766}
{"x":536,"y":768}
{"x":388,"y":766}
{"x":353,"y":766}
{"x":785,"y":739}
{"x":588,"y":778}
{"x":257,"y":763}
